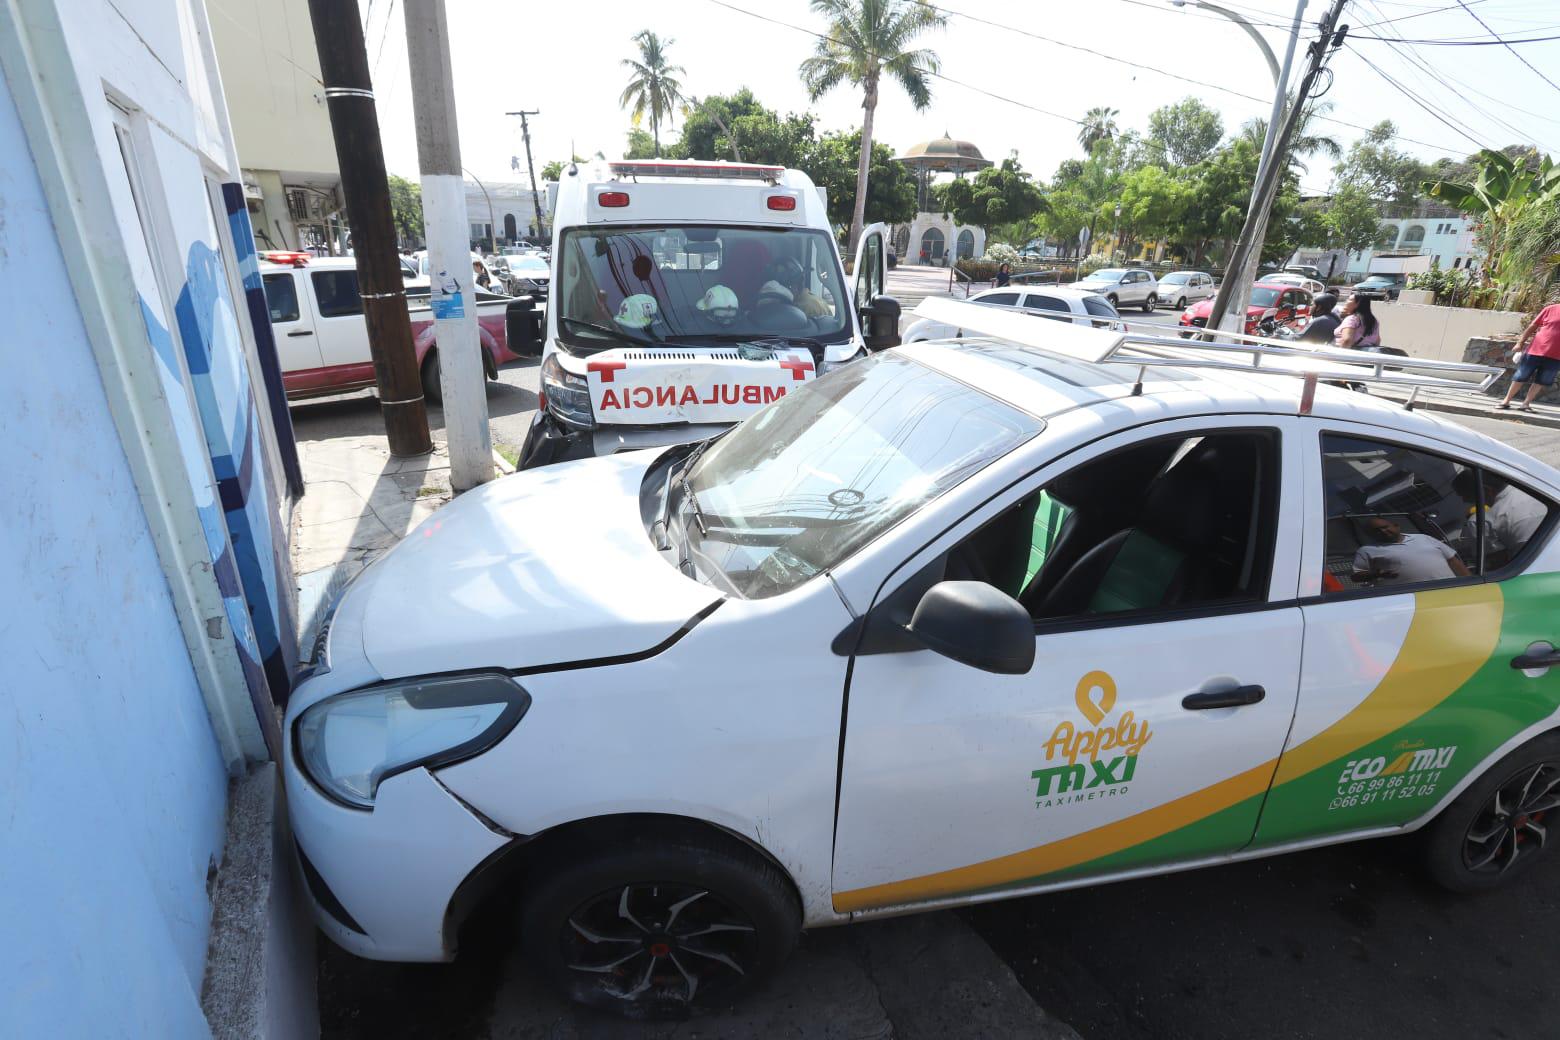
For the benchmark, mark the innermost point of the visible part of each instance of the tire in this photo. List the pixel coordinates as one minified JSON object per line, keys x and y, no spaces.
{"x":1150,"y":303}
{"x":1180,"y":304}
{"x":1494,"y":805}
{"x":433,"y":388}
{"x":574,"y":915}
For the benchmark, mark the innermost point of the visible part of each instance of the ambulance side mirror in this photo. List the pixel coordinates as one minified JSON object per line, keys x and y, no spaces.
{"x":977,"y":624}
{"x":523,"y":327}
{"x":880,"y":322}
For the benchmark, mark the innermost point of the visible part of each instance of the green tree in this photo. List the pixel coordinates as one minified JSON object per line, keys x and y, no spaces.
{"x":864,"y":41}
{"x":640,"y":145}
{"x":1303,"y":144}
{"x":1351,"y":219}
{"x":739,"y":128}
{"x":1502,"y":196}
{"x":654,"y":87}
{"x":406,"y":208}
{"x":1187,"y":131}
{"x":832,"y":165}
{"x":996,"y":195}
{"x":1383,"y":172}
{"x":1217,"y":197}
{"x":1152,"y":201}
{"x":1099,"y":124}
{"x":553,"y":170}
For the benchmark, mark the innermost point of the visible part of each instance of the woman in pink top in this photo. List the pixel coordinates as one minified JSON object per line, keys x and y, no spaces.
{"x":1541,"y":363}
{"x":1359,"y":327}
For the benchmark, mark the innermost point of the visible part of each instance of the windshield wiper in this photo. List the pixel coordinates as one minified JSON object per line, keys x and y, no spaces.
{"x":607,"y":331}
{"x":692,"y":502}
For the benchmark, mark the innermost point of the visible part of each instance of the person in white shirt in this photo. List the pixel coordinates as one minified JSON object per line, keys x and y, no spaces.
{"x":1511,"y":516}
{"x":1403,"y":559}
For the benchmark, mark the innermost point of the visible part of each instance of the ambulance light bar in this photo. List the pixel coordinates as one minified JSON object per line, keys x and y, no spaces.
{"x":676,"y":168}
{"x":1251,"y":354}
{"x":286,"y":257}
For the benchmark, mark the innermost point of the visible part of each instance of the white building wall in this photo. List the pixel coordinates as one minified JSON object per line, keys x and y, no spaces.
{"x":508,"y":199}
{"x":113,"y":778}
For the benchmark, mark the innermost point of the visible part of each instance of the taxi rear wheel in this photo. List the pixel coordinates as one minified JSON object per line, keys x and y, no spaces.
{"x":1501,"y":825}
{"x":655,"y":927}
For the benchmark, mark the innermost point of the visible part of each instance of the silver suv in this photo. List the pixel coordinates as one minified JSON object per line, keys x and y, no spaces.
{"x":1183,"y":287}
{"x":1123,"y":286}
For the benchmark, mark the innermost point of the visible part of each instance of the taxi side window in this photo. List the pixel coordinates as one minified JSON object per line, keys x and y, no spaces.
{"x":1170,"y":524}
{"x":281,"y":296}
{"x":1397,"y":516}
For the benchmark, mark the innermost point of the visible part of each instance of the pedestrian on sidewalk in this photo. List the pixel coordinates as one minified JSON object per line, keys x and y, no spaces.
{"x":1004,"y":276}
{"x":1359,"y":327}
{"x":1540,"y":363}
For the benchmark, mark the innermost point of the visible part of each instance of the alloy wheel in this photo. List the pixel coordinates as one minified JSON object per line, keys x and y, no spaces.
{"x":655,"y":944}
{"x":1511,"y":827}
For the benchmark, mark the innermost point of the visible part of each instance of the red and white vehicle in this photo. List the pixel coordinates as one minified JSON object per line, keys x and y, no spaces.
{"x":322,"y":340}
{"x":1288,"y":305}
{"x":687,"y":295}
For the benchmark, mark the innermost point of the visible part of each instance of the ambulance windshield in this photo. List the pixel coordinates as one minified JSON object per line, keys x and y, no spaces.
{"x":698,"y":284}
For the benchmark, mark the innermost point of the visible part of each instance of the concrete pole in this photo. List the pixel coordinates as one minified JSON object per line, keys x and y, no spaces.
{"x":1234,"y":319}
{"x":452,"y":291}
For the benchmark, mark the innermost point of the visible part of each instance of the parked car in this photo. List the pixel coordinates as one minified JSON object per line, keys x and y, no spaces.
{"x":1122,"y":286}
{"x":526,"y":275}
{"x":1310,"y":285}
{"x":1058,"y":302}
{"x":1381,"y":286}
{"x":1180,"y":288}
{"x":1307,"y":270}
{"x":953,"y":623}
{"x":322,"y":341}
{"x":1287,"y":305}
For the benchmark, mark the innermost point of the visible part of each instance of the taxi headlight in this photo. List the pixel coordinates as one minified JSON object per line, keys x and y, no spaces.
{"x":566,"y":395}
{"x":350,"y":743}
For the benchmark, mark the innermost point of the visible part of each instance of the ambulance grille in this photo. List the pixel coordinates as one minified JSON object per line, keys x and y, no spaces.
{"x":679,"y":355}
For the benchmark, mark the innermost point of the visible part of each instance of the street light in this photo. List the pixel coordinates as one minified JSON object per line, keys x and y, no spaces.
{"x":1251,"y":30}
{"x":492,"y":244}
{"x":1115,"y":245}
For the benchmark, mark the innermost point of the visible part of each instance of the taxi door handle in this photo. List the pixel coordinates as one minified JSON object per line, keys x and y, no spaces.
{"x":1223,"y":698}
{"x":1540,"y":659}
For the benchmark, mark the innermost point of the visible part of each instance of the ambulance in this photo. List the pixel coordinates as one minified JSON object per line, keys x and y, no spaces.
{"x":686,"y":296}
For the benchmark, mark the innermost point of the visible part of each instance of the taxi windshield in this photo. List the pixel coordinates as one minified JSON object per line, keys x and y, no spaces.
{"x":812,"y":478}
{"x":648,"y":285}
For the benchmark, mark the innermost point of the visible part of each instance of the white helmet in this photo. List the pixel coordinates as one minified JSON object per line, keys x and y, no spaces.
{"x":719,"y":303}
{"x":637,"y":311}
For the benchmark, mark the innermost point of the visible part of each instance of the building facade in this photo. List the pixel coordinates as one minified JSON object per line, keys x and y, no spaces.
{"x":502,"y":213}
{"x":932,"y":237}
{"x":148,"y":627}
{"x":1444,"y":235}
{"x":269,"y":64}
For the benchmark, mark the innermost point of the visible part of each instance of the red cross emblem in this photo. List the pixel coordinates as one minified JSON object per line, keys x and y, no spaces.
{"x":797,"y":368}
{"x":606,"y":368}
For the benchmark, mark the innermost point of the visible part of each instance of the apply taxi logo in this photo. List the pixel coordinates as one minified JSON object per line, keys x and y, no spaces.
{"x":1102,"y":755}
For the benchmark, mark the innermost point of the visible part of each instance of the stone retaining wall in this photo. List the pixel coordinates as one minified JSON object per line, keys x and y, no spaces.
{"x":1494,"y":350}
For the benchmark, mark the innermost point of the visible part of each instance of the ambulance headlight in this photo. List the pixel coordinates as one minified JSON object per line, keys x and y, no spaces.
{"x":566,"y":395}
{"x":350,"y":743}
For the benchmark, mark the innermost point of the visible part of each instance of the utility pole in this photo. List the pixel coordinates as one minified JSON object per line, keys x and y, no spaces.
{"x":536,"y":198}
{"x":354,"y":122}
{"x":1249,"y":246}
{"x":452,"y":286}
{"x":1234,"y":319}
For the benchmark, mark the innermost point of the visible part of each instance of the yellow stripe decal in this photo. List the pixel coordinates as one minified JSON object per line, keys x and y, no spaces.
{"x":1452,"y":634}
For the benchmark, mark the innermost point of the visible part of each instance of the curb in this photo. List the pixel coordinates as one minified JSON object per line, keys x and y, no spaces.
{"x":502,"y":465}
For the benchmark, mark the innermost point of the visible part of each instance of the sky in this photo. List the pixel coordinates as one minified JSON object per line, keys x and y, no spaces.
{"x":565,"y":60}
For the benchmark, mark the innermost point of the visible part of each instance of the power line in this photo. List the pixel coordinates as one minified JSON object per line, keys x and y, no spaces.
{"x":1415,"y":99}
{"x":1460,"y":41}
{"x":1508,"y":43}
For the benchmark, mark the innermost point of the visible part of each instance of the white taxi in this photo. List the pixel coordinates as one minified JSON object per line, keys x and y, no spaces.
{"x":960,"y":622}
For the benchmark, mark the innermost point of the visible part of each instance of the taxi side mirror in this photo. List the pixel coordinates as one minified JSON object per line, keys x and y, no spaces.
{"x":977,"y":624}
{"x":880,"y":320}
{"x":523,"y":327}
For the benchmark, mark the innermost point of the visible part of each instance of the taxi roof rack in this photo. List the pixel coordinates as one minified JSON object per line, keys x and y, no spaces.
{"x":1240,"y":353}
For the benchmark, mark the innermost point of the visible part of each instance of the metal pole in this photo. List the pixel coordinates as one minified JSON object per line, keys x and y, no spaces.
{"x":492,"y":245}
{"x":536,"y":198}
{"x":1331,"y":37}
{"x":1234,"y":319}
{"x":354,"y":122}
{"x":452,"y":288}
{"x":1251,"y":30}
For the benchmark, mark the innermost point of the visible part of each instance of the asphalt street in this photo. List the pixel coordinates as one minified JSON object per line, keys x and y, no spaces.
{"x":1347,"y":941}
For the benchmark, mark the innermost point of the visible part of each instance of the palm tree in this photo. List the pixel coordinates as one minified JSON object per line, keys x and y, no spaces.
{"x":1302,"y":142}
{"x":865,"y":40}
{"x":654,"y":87}
{"x":1099,"y":124}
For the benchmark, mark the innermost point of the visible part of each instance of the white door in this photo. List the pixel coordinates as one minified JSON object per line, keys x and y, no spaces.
{"x":292,"y":323}
{"x":338,"y":310}
{"x":1160,"y":570}
{"x":871,"y":267}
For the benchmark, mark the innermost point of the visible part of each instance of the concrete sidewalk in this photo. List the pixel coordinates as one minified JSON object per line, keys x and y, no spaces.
{"x":1461,"y":402}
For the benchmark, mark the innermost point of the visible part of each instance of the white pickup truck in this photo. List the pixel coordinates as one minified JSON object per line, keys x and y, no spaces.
{"x":685,"y":296}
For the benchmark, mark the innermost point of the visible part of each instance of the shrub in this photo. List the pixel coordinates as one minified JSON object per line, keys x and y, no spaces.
{"x":1001,"y":253}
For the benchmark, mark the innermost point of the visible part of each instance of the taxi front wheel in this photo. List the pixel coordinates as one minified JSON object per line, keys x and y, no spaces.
{"x":1500,"y":826}
{"x":652,"y":927}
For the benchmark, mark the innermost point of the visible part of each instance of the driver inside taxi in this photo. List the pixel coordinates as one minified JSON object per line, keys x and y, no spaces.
{"x":1400,"y":558}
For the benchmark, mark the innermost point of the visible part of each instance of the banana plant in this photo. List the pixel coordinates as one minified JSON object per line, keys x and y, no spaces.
{"x":1504,"y":189}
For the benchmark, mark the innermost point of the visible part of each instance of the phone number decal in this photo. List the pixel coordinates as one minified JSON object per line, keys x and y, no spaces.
{"x":1414,"y":773}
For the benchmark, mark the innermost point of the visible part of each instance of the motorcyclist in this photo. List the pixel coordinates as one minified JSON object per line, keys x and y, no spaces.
{"x":1323,"y":321}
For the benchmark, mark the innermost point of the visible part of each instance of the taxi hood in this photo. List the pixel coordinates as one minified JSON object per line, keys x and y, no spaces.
{"x":543,"y":568}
